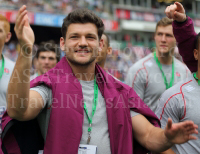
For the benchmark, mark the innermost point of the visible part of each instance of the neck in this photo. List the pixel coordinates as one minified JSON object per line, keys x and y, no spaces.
{"x":1,"y":55}
{"x":165,"y":58}
{"x":102,"y":64}
{"x":85,"y":73}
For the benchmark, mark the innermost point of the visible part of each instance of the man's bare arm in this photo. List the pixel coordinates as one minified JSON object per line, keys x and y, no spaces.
{"x":159,"y":140}
{"x":23,"y":104}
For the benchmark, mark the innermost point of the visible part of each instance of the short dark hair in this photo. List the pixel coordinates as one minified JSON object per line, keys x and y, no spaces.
{"x":48,"y":46}
{"x":108,"y":39}
{"x":82,"y":16}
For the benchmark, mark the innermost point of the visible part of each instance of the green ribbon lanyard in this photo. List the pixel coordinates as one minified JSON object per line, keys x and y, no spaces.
{"x":2,"y":68}
{"x":94,"y":106}
{"x":163,"y":75}
{"x":195,"y":76}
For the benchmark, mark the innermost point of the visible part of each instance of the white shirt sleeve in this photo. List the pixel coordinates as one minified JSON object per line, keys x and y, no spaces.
{"x":133,"y":114}
{"x":45,"y":92}
{"x":136,"y":80}
{"x":169,"y":107}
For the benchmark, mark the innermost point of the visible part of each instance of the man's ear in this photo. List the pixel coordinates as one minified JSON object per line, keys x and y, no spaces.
{"x":62,"y":44}
{"x":195,"y":54}
{"x":109,"y":51}
{"x":8,"y":37}
{"x":101,"y":44}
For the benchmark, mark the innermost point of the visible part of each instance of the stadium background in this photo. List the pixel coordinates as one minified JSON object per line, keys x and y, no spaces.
{"x":130,"y":25}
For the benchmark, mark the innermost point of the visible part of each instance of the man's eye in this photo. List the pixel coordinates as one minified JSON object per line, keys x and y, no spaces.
{"x":73,"y":36}
{"x":91,"y":37}
{"x":169,"y":35}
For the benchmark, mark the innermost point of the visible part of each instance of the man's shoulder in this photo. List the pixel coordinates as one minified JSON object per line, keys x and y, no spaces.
{"x":175,"y":90}
{"x":180,"y":64}
{"x":141,"y":63}
{"x":116,"y":83}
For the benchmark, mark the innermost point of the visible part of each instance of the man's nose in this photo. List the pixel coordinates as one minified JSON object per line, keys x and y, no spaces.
{"x":83,"y":42}
{"x":163,"y":38}
{"x":46,"y":60}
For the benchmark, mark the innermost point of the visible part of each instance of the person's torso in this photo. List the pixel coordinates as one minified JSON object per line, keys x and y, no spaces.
{"x":154,"y":81}
{"x":4,"y":80}
{"x":99,"y":133}
{"x":8,"y":68}
{"x":188,"y":99}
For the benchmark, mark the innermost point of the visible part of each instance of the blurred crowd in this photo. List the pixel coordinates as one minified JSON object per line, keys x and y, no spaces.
{"x":117,"y":64}
{"x":120,"y":60}
{"x":100,"y":7}
{"x":11,"y":50}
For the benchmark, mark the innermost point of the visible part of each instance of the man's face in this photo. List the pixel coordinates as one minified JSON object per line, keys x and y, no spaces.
{"x":46,"y":61}
{"x":81,"y":43}
{"x":165,"y":40}
{"x":103,"y":53}
{"x":3,"y":35}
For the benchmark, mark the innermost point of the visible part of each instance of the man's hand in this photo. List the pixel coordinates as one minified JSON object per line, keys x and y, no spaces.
{"x":23,"y":30}
{"x":176,"y":12}
{"x":158,"y":140}
{"x":179,"y":133}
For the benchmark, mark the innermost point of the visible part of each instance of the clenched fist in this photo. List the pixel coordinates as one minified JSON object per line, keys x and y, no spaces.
{"x":176,"y":11}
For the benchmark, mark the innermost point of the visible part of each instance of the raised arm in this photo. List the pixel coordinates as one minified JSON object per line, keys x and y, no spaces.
{"x":184,"y":33}
{"x":23,"y":104}
{"x":158,"y":140}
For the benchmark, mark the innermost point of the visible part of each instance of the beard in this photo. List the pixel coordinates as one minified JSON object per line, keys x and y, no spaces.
{"x":81,"y":64}
{"x":74,"y":62}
